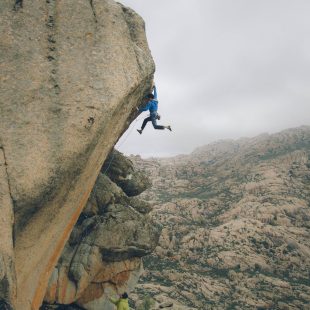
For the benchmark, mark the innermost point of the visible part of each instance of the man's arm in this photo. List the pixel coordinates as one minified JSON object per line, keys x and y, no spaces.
{"x":113,"y":300}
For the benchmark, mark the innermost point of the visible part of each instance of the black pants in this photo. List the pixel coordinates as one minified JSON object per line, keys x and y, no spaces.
{"x":153,"y":119}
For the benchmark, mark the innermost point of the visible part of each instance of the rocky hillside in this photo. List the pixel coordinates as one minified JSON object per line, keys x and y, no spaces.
{"x":236,"y":225}
{"x":72,"y":75}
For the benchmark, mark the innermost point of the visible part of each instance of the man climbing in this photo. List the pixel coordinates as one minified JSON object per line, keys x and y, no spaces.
{"x":152,"y":106}
{"x":122,"y":302}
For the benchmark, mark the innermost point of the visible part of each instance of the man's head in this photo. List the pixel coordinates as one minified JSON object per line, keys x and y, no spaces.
{"x":125,"y":295}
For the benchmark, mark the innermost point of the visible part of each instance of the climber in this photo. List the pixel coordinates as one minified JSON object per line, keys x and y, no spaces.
{"x":152,"y":106}
{"x":122,"y":302}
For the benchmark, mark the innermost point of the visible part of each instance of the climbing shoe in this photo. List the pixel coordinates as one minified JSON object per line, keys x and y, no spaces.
{"x":169,"y":127}
{"x":139,"y":131}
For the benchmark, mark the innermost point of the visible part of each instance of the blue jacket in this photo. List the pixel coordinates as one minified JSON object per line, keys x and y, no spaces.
{"x":152,"y":105}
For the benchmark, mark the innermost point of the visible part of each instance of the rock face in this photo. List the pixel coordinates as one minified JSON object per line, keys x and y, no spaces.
{"x":106,"y":245}
{"x":121,"y":171}
{"x":72,"y":73}
{"x":236,"y":225}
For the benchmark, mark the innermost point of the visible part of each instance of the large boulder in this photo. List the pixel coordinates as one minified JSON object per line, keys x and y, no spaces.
{"x":120,"y":170}
{"x":72,"y":74}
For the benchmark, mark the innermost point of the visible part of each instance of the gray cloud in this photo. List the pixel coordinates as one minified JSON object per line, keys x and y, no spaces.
{"x":224,"y":69}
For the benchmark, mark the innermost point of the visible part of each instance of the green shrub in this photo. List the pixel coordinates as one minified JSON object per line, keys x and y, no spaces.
{"x":147,"y":303}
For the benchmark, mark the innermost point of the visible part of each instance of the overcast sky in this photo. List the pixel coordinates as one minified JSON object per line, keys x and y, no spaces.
{"x":224,"y":69}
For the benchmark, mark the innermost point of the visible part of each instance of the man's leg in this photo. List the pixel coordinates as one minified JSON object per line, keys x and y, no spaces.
{"x":154,"y":122}
{"x":146,"y":120}
{"x":144,"y":124}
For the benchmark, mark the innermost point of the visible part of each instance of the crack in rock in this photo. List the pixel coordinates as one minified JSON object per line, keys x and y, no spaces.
{"x":7,"y":174}
{"x":93,"y":9}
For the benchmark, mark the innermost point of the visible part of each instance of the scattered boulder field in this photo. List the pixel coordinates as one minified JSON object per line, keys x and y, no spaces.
{"x":236,"y":225}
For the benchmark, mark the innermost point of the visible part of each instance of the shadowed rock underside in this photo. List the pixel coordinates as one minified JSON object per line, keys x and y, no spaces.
{"x":103,"y":254}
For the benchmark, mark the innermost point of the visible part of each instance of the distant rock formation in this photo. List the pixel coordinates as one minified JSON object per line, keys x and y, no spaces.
{"x":236,"y":225}
{"x":106,"y":245}
{"x":72,"y":74}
